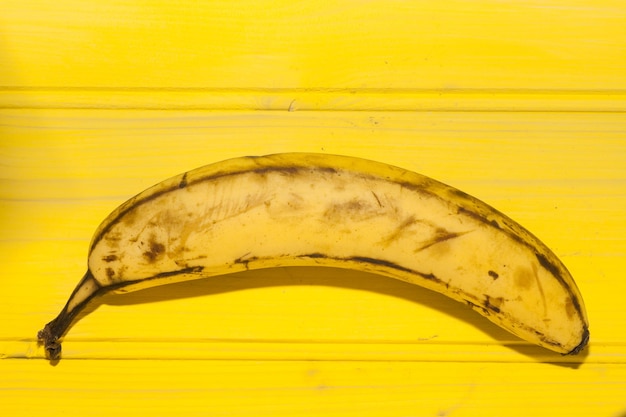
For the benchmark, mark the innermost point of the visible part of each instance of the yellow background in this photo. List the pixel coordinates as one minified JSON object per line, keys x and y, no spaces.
{"x":520,"y":103}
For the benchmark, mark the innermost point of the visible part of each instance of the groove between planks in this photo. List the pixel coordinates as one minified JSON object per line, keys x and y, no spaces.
{"x":201,"y":349}
{"x":314,"y":99}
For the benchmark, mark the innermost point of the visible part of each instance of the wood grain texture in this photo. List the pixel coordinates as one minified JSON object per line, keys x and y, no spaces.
{"x":521,"y":104}
{"x":554,"y":45}
{"x":308,"y":388}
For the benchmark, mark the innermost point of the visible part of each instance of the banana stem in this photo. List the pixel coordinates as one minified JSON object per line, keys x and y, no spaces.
{"x":49,"y":336}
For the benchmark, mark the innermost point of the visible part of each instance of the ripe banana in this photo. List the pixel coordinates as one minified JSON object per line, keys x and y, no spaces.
{"x":314,"y":209}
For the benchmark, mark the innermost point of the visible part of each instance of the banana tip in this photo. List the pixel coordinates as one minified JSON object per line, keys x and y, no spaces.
{"x":582,"y":344}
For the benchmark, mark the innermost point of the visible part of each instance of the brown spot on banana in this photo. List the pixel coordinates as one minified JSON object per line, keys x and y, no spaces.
{"x":377,"y":199}
{"x":401,"y":229}
{"x":354,"y":209}
{"x":570,"y":308}
{"x":183,"y":181}
{"x":524,"y":277}
{"x":493,"y":274}
{"x":441,"y":236}
{"x":493,"y":303}
{"x":110,"y":272}
{"x":155,"y":251}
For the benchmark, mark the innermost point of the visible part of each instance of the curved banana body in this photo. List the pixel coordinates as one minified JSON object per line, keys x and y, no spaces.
{"x":315,"y":209}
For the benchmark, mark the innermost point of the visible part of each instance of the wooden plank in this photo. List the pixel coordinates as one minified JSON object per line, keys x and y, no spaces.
{"x":519,"y":103}
{"x":455,"y":44}
{"x":308,"y":388}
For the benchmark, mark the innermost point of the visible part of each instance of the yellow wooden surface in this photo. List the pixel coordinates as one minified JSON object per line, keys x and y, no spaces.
{"x":520,"y":103}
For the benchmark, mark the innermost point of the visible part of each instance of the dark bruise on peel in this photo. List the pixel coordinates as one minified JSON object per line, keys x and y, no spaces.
{"x":493,"y":304}
{"x":475,"y":306}
{"x":374,"y":261}
{"x":440,"y":237}
{"x":183,"y":181}
{"x":381,"y":262}
{"x":377,"y":199}
{"x":191,"y":270}
{"x":315,"y":255}
{"x":284,"y":170}
{"x":154,"y":252}
{"x":400,"y":230}
{"x":245,"y":260}
{"x":543,"y":261}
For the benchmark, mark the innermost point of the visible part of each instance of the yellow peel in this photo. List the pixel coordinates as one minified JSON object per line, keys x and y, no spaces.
{"x":327,"y":210}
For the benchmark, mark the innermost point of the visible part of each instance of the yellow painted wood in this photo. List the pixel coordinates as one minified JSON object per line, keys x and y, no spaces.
{"x":63,"y":172}
{"x":453,"y":54}
{"x":535,"y":44}
{"x":522,"y":104}
{"x":307,"y":388}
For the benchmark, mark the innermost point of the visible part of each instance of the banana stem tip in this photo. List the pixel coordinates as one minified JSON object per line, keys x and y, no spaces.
{"x":50,"y":342}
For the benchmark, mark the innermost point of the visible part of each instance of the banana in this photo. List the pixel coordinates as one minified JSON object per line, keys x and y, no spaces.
{"x":300,"y":209}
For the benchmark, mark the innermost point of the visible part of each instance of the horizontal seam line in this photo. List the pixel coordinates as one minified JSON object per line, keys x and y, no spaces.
{"x":320,"y":109}
{"x":356,"y":90}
